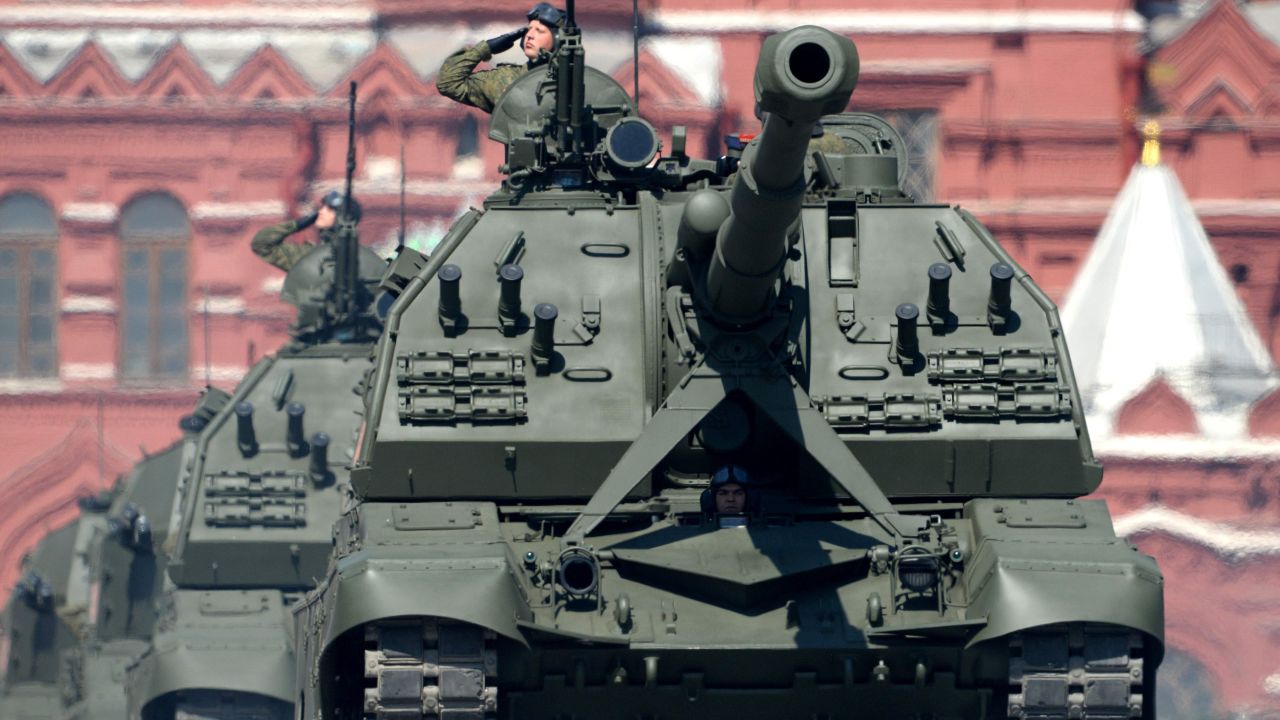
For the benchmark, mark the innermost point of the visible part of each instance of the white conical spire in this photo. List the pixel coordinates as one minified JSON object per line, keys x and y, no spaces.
{"x":1152,"y":300}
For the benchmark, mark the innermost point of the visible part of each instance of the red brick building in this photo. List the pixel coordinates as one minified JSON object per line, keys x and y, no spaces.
{"x":1185,"y":412}
{"x":146,"y":141}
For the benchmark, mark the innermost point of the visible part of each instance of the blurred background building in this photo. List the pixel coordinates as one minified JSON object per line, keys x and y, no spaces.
{"x":145,"y":142}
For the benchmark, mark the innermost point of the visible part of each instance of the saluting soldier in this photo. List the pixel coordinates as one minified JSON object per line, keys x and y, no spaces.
{"x":269,"y":244}
{"x":458,"y":79}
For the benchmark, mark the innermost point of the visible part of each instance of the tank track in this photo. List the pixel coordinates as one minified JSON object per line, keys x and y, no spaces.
{"x":1077,"y":672}
{"x":429,"y":669}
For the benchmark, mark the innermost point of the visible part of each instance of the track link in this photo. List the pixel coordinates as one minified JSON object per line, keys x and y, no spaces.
{"x":429,"y":669}
{"x":1076,"y":672}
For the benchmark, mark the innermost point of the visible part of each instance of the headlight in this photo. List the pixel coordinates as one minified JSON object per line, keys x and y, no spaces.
{"x":579,"y":572}
{"x":918,"y":572}
{"x":631,"y":144}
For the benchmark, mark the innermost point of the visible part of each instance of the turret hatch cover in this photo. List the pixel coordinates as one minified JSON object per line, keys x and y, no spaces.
{"x":313,"y":273}
{"x":863,"y":130}
{"x":529,"y":101}
{"x":435,"y":516}
{"x":744,"y":566}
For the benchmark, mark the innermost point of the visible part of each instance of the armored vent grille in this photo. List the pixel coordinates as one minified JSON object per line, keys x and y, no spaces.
{"x":1002,"y":365}
{"x":856,"y":412}
{"x":242,"y":499}
{"x":1019,"y":402}
{"x":985,"y":401}
{"x":475,"y":386}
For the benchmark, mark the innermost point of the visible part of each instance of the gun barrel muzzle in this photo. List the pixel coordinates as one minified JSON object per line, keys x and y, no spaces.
{"x":802,"y":75}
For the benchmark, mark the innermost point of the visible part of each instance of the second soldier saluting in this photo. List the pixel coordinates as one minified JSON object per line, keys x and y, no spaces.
{"x":458,"y":80}
{"x":269,"y":242}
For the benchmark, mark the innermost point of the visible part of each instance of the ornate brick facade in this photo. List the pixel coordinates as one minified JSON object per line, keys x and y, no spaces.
{"x":1026,"y":113}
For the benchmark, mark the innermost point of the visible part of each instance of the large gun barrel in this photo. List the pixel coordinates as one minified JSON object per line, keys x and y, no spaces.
{"x":802,"y":74}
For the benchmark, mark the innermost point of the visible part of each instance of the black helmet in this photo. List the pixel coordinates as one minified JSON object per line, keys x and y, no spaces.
{"x":333,"y":199}
{"x":730,"y":474}
{"x":547,"y":14}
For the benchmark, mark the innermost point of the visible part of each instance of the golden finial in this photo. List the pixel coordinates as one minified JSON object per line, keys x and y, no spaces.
{"x":1151,"y":143}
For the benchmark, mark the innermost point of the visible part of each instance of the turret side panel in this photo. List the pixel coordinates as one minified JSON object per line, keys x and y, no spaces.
{"x":260,"y":519}
{"x":564,"y":429}
{"x":979,"y":403}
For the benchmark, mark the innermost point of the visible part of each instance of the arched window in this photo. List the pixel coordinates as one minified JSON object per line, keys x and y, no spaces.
{"x":467,"y":163}
{"x":919,"y":131}
{"x":154,"y":234}
{"x":468,"y":137}
{"x":28,"y":287}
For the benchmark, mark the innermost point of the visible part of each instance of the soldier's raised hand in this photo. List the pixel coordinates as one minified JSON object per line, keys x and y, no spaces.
{"x":503,"y":42}
{"x":308,"y":220}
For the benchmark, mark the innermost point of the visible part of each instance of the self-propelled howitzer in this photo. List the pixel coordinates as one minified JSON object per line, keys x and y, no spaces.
{"x":536,"y":537}
{"x":167,"y":597}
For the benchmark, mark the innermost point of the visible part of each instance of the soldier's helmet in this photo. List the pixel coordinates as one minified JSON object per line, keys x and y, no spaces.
{"x":547,"y":14}
{"x":726,"y":475}
{"x":730,"y":474}
{"x":333,"y":199}
{"x":551,"y":16}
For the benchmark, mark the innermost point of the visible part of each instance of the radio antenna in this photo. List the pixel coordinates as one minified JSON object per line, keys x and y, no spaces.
{"x":351,"y":149}
{"x":400,"y":245}
{"x":635,"y":51}
{"x":208,"y":373}
{"x":346,"y":253}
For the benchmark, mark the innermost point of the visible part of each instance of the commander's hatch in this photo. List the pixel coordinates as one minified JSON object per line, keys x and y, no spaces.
{"x":526,"y":105}
{"x":745,"y":567}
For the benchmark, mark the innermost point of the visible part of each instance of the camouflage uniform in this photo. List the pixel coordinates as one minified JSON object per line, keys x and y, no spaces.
{"x":269,"y":245}
{"x":829,"y":143}
{"x":458,"y":81}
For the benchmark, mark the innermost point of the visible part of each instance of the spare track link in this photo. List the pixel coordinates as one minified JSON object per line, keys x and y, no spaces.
{"x":1076,"y":672}
{"x":429,"y":669}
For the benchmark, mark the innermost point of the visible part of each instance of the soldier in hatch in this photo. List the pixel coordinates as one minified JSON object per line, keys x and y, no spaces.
{"x":728,"y":494}
{"x":269,"y":243}
{"x":458,"y":80}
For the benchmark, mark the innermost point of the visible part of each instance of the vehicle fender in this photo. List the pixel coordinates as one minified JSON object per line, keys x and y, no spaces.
{"x":265,"y":670}
{"x":480,"y":591}
{"x":1019,"y":586}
